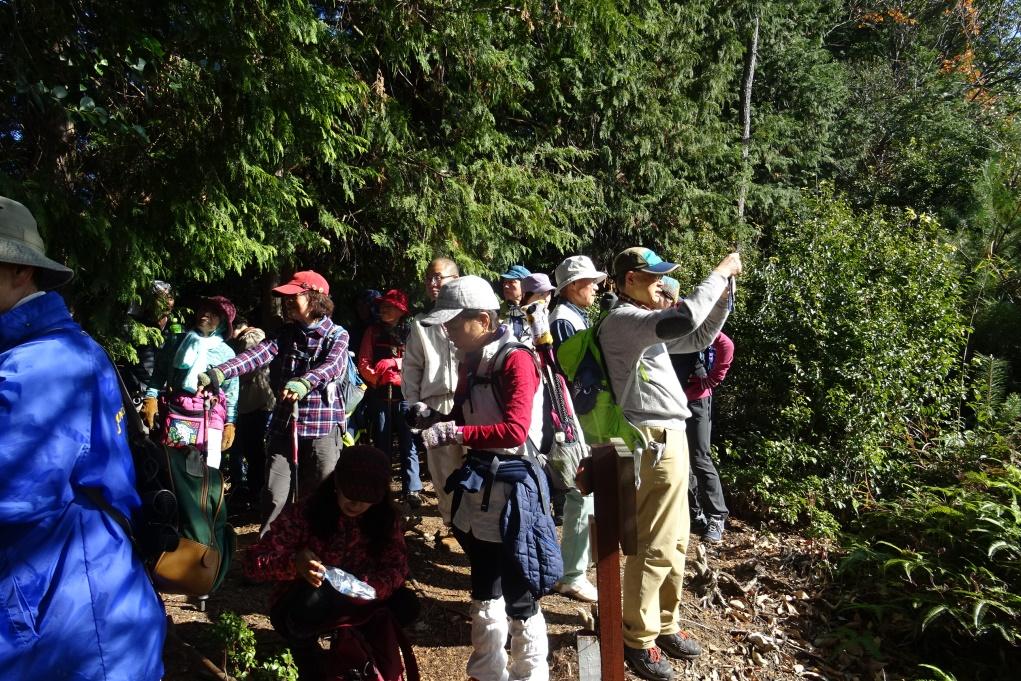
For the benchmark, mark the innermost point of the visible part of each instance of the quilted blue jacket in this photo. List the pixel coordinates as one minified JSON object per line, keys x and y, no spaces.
{"x":75,"y":603}
{"x":529,"y":535}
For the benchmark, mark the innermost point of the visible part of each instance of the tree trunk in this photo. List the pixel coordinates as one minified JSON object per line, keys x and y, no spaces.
{"x":746,"y":117}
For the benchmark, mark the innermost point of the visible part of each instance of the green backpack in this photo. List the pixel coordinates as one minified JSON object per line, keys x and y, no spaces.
{"x":581,"y":359}
{"x":201,"y":561}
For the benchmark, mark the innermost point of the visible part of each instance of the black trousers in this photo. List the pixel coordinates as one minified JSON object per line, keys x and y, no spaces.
{"x":492,"y":576}
{"x":248,"y":455}
{"x":705,"y":492}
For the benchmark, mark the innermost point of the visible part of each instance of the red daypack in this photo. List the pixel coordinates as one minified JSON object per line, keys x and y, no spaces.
{"x":371,"y":650}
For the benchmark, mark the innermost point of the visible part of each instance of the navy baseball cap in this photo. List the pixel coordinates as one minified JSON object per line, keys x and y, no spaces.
{"x":641,"y":259}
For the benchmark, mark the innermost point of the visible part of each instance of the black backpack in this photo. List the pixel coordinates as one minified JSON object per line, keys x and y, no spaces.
{"x":156,"y":528}
{"x":693,"y":364}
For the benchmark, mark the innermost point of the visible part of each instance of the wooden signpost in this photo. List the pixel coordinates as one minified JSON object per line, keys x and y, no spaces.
{"x":612,"y":480}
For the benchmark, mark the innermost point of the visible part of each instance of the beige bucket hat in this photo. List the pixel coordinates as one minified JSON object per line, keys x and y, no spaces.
{"x":574,"y":268}
{"x":20,"y":244}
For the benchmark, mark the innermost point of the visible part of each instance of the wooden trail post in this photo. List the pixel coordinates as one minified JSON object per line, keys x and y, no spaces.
{"x":612,"y":476}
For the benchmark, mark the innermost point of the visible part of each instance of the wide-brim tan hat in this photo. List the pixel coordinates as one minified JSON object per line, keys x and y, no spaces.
{"x":20,"y":244}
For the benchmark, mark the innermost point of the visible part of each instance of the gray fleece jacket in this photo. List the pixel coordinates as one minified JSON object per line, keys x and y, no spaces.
{"x":637,"y":343}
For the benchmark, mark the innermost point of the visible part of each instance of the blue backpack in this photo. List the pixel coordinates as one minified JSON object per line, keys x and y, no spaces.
{"x":352,"y":387}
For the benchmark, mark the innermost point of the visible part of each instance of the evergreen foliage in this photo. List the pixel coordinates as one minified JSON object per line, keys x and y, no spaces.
{"x":850,"y":337}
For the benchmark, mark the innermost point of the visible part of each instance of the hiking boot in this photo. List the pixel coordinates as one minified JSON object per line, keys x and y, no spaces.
{"x":581,"y":590}
{"x":414,"y":501}
{"x":648,"y":663}
{"x":699,"y":525}
{"x":680,"y":646}
{"x":714,"y":532}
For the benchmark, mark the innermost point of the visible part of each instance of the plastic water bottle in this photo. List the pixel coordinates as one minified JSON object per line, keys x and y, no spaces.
{"x":347,"y":584}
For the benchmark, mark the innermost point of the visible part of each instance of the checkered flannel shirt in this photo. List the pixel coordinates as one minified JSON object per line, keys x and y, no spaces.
{"x":316,"y":417}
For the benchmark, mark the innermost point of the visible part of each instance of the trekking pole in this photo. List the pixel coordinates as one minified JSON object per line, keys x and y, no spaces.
{"x":294,"y":453}
{"x":205,"y":428}
{"x":559,"y":405}
{"x":391,"y":426}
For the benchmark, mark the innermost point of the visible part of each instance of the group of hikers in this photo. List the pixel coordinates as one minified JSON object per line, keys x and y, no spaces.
{"x":473,"y":383}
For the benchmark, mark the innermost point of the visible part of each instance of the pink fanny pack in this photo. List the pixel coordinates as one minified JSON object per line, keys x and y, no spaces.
{"x":186,"y":419}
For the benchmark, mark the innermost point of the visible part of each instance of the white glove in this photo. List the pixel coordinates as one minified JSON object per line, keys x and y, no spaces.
{"x":538,"y":320}
{"x":442,"y":434}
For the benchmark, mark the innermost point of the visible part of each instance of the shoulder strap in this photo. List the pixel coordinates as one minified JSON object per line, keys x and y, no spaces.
{"x":500,"y":360}
{"x":131,"y":417}
{"x":594,"y":341}
{"x":328,"y":341}
{"x":133,"y":423}
{"x":97,"y":498}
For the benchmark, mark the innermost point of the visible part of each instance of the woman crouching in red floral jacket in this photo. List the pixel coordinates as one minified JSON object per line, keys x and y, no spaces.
{"x":349,"y":523}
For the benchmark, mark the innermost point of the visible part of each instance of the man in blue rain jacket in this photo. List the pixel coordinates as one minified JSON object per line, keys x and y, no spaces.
{"x":75,"y":603}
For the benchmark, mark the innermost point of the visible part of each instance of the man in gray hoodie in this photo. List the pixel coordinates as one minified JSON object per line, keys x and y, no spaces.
{"x":637,"y":338}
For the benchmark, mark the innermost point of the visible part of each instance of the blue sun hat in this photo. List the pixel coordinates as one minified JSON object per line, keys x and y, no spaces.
{"x":516,"y":272}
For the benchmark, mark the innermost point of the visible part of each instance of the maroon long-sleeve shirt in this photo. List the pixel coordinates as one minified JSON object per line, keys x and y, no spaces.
{"x":518,"y":385}
{"x":272,"y":558}
{"x":698,"y":388}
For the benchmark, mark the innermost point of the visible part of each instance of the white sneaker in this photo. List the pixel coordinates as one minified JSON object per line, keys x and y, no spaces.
{"x":582,"y":590}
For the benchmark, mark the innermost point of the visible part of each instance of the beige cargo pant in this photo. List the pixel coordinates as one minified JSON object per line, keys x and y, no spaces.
{"x":653,"y":576}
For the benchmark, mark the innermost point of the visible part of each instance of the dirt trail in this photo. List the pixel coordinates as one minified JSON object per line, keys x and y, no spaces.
{"x":751,"y":603}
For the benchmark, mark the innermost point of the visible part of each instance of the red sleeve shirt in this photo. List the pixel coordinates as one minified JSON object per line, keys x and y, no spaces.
{"x":518,"y":384}
{"x":365,"y":364}
{"x":377,"y":374}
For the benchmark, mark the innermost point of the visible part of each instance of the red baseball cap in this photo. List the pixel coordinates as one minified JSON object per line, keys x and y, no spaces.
{"x":301,"y":282}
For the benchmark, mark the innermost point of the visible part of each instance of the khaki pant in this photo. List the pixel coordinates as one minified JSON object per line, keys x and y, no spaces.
{"x":653,"y":576}
{"x":443,"y":461}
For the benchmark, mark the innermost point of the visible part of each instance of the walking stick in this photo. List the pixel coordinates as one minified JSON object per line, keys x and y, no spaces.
{"x":391,"y":426}
{"x":294,"y":453}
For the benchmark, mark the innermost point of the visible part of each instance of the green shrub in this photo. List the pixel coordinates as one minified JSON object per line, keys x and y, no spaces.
{"x":848,"y":340}
{"x":239,"y":653}
{"x":947,"y":559}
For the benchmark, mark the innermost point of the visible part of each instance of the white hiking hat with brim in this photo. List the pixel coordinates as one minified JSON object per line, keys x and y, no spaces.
{"x":574,"y":268}
{"x":463,"y":293}
{"x":20,"y":244}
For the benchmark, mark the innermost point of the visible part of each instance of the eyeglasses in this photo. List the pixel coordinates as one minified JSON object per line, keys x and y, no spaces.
{"x":437,"y":278}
